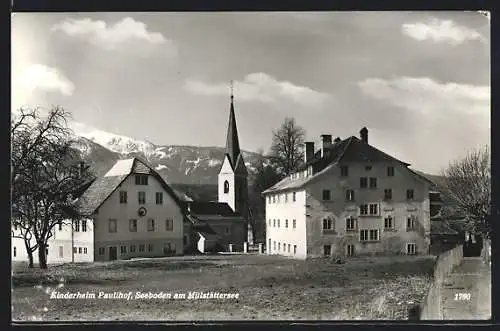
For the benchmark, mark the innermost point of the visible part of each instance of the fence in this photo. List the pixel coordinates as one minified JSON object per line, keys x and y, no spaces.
{"x":430,"y":308}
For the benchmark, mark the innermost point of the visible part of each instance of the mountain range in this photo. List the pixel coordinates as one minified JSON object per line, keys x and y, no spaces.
{"x":193,"y":165}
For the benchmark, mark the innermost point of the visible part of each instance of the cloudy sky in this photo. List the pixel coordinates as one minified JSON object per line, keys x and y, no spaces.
{"x":420,"y":82}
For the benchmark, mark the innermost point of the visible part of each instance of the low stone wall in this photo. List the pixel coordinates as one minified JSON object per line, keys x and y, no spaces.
{"x":430,"y":308}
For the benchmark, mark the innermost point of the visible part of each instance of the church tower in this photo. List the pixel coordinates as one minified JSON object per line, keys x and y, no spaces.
{"x":233,"y":176}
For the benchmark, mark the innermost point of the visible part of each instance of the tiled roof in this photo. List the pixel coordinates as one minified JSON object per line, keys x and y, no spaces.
{"x":209,"y":208}
{"x":441,"y":227}
{"x":200,"y":225}
{"x":103,"y":187}
{"x":349,"y":150}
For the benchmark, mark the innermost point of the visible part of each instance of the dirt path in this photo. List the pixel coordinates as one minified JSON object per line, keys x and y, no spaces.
{"x":466,"y":292}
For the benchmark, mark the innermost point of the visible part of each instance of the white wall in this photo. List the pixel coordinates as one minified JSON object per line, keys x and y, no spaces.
{"x":287,"y":210}
{"x":61,"y":238}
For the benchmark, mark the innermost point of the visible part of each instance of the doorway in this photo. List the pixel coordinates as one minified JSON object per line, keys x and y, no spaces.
{"x":473,"y":246}
{"x":113,"y":253}
{"x":327,"y":250}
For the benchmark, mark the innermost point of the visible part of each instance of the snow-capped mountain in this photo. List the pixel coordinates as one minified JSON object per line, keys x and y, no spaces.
{"x":177,"y":164}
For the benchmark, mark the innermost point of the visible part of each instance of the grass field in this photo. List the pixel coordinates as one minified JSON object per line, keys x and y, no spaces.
{"x":269,"y":287}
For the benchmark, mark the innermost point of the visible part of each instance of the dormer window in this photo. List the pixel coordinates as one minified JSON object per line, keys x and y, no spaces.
{"x":141,"y":179}
{"x":226,"y":186}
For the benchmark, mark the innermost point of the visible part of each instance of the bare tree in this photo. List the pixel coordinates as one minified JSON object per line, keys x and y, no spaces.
{"x":467,"y":182}
{"x":286,"y":147}
{"x":45,"y":177}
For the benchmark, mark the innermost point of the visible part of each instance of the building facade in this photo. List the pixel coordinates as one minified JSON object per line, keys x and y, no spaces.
{"x":64,"y":246}
{"x":135,"y":213}
{"x":349,"y":198}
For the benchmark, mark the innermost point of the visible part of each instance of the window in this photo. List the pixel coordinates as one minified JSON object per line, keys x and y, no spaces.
{"x":387,"y":194}
{"x":350,"y":223}
{"x":84,"y":226}
{"x":84,"y":250}
{"x":411,"y":249}
{"x":150,"y":247}
{"x":326,"y":195}
{"x":363,"y":209}
{"x":151,"y":224}
{"x":274,"y":223}
{"x":286,"y":197}
{"x":123,"y":249}
{"x":373,"y":209}
{"x":278,"y":223}
{"x":60,"y":226}
{"x":293,"y":196}
{"x":270,"y":223}
{"x":61,"y":251}
{"x":132,"y":248}
{"x":79,"y":250}
{"x":112,"y":225}
{"x":327,"y":224}
{"x":350,"y":250}
{"x":141,"y":248}
{"x":169,"y":224}
{"x":75,"y":250}
{"x":226,"y":186}
{"x":278,"y":198}
{"x":141,"y":197}
{"x":327,"y":250}
{"x":159,"y":198}
{"x":77,"y":226}
{"x":141,"y":179}
{"x":294,"y":224}
{"x":123,"y":196}
{"x":288,"y":248}
{"x":363,"y":182}
{"x":390,"y":171}
{"x":409,"y":194}
{"x":286,"y":224}
{"x":279,"y":247}
{"x":47,"y":251}
{"x":344,"y":171}
{"x":101,"y":250}
{"x":274,"y":198}
{"x":368,"y":168}
{"x":269,"y":245}
{"x":349,"y":195}
{"x":15,"y":251}
{"x":373,"y":182}
{"x":410,"y":223}
{"x":363,"y":235}
{"x":388,"y":223}
{"x":374,"y":235}
{"x":269,"y":199}
{"x":294,"y":249}
{"x":132,"y":225}
{"x":274,"y":245}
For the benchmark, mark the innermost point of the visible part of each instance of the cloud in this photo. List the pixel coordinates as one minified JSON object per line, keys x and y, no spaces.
{"x":111,"y":36}
{"x":441,"y":31}
{"x":42,"y":77}
{"x":260,"y":87}
{"x":428,"y":97}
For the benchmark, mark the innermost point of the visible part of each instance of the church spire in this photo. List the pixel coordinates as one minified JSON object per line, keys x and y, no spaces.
{"x":232,"y":143}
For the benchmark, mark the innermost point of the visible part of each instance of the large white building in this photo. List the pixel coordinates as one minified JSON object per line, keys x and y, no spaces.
{"x":135,"y":213}
{"x":349,"y":198}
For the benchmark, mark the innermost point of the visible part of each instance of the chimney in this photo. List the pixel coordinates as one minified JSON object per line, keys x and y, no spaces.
{"x":364,"y":135}
{"x":326,"y":139}
{"x":82,"y":168}
{"x":337,"y":140}
{"x":308,"y":151}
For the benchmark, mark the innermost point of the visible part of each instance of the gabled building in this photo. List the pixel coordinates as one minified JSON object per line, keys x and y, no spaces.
{"x":349,"y":198}
{"x":135,"y":213}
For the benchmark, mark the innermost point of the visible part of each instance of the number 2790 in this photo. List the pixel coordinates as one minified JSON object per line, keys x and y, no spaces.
{"x":462,"y":296}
